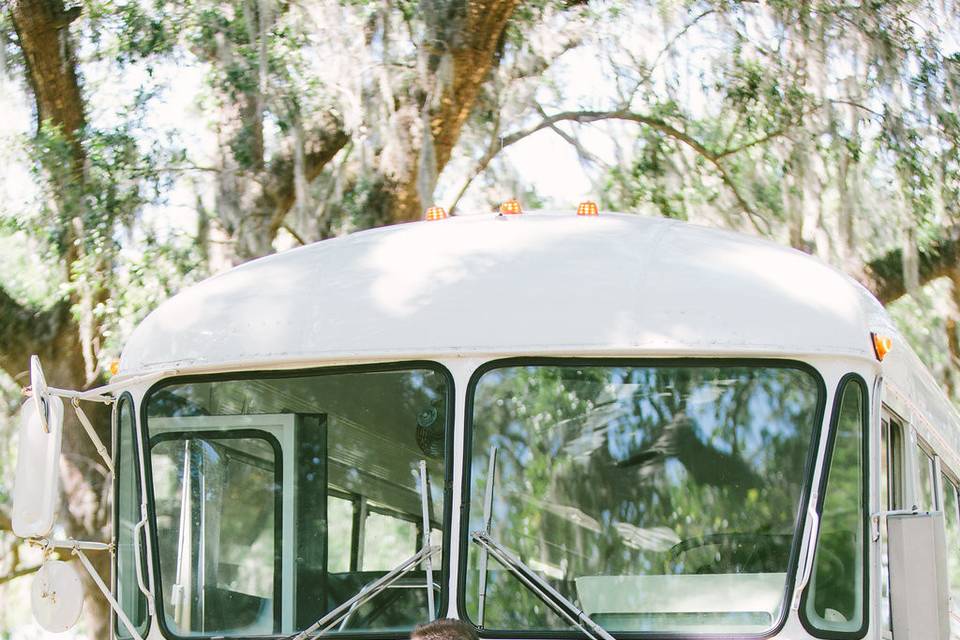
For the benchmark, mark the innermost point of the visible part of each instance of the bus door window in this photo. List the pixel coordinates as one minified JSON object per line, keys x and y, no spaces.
{"x":891,"y":498}
{"x":220,"y":492}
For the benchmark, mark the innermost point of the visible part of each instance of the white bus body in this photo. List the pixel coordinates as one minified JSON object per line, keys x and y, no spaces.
{"x":479,"y":319}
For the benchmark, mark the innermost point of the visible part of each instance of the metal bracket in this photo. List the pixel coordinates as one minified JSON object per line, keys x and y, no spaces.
{"x":106,"y":593}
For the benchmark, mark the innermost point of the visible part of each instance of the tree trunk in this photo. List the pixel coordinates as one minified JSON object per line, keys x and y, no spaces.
{"x":42,"y":29}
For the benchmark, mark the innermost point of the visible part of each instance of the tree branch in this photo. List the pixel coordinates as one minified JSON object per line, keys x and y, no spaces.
{"x":19,"y":573}
{"x":25,"y":331}
{"x":883,"y":276}
{"x":655,"y":123}
{"x":322,"y":147}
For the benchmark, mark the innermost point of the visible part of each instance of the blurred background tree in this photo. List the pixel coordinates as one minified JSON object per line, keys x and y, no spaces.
{"x":150,"y":144}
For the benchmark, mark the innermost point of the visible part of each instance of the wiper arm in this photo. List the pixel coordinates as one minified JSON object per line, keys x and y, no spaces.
{"x":366,"y":593}
{"x":540,"y":588}
{"x":374,"y":587}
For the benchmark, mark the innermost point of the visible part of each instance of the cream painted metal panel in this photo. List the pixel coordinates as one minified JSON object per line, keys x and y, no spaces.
{"x":536,"y":282}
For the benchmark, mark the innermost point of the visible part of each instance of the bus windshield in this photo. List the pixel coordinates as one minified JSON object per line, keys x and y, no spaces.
{"x":277,"y":497}
{"x":656,"y":498}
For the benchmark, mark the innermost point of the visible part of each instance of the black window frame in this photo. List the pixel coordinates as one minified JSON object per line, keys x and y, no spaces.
{"x":385,"y":367}
{"x":692,"y":362}
{"x":809,"y":625}
{"x":126,"y":399}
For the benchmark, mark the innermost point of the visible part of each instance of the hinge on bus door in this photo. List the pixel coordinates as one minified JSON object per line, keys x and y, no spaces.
{"x":875,"y":526}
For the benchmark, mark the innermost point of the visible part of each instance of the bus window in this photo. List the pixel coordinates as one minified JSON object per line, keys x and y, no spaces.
{"x":126,"y":516}
{"x":891,"y":495}
{"x":340,"y":534}
{"x":927,"y":472}
{"x":952,"y":520}
{"x":388,"y":541}
{"x":640,"y":492}
{"x":891,"y":461}
{"x":312,"y":490}
{"x":836,"y":598}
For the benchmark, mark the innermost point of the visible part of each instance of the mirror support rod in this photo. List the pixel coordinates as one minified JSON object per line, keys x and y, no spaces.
{"x":550,"y":596}
{"x":92,"y":434}
{"x":104,"y":394}
{"x":71,"y":544}
{"x":373,"y":588}
{"x":106,"y":592}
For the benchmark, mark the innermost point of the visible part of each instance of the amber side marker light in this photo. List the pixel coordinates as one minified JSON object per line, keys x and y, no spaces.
{"x":435,"y":213}
{"x":881,"y":346}
{"x":510,"y":207}
{"x":114,"y":367}
{"x":588,"y":208}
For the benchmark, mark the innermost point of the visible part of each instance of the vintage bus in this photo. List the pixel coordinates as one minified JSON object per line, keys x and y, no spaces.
{"x":548,"y":424}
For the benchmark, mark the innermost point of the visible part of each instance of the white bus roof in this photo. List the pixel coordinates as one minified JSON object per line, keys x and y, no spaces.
{"x":535,"y":283}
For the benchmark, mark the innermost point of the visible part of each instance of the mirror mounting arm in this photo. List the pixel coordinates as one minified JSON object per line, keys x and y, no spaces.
{"x":106,"y":592}
{"x":92,"y":434}
{"x":70,"y":543}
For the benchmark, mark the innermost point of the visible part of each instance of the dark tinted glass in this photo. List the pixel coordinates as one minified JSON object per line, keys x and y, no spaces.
{"x":280,"y":498}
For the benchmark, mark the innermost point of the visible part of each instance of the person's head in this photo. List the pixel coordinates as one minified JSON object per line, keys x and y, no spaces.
{"x":444,"y":629}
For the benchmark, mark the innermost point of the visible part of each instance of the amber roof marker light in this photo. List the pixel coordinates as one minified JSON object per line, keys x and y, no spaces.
{"x":435,"y":213}
{"x":881,"y":345}
{"x":588,"y":208}
{"x":510,"y":207}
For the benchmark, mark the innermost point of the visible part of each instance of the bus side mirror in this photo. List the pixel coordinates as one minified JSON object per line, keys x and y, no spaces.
{"x":36,"y":485}
{"x":919,"y":600}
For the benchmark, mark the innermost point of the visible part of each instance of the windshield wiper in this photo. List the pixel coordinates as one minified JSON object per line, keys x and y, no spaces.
{"x":366,"y":593}
{"x":527,"y":576}
{"x":370,"y":590}
{"x":540,"y":588}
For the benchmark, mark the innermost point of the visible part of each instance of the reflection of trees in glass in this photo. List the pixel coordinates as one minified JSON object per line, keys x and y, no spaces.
{"x":636,"y":471}
{"x":835,"y":596}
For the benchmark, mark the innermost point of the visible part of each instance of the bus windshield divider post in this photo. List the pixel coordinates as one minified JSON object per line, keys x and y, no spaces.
{"x":487,"y":519}
{"x":370,"y":590}
{"x":540,"y":588}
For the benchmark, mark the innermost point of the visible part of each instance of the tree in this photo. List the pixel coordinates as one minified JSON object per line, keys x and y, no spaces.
{"x":825,"y":126}
{"x":421,"y":74}
{"x":64,"y":339}
{"x":278,"y":129}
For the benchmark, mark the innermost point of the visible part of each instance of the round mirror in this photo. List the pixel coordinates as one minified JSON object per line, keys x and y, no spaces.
{"x":56,"y":596}
{"x":40,"y":392}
